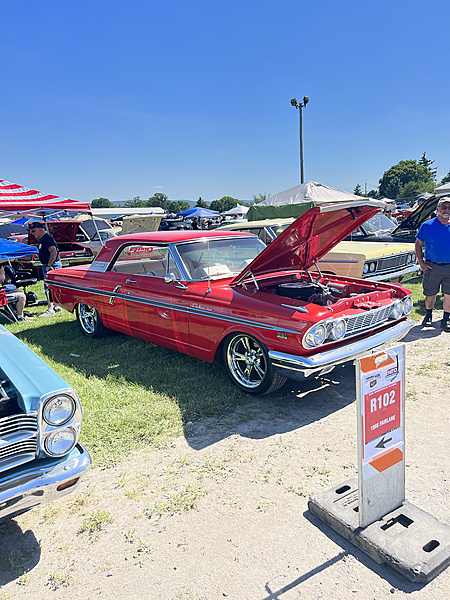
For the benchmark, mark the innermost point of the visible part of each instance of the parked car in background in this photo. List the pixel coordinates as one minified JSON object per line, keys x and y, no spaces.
{"x":223,"y":294}
{"x":64,"y":233}
{"x":98,"y":240}
{"x":11,"y":229}
{"x":350,"y":259}
{"x":140,"y":223}
{"x":173,"y":225}
{"x":381,"y":229}
{"x":40,"y":420}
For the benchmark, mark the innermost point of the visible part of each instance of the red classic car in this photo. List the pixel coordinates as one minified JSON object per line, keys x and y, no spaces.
{"x":211,"y":293}
{"x":65,"y":235}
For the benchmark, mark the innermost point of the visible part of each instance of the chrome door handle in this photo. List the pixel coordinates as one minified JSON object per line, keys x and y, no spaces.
{"x":111,"y":300}
{"x":131,"y":281}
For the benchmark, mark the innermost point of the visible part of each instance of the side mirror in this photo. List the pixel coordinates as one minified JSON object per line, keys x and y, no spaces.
{"x":170,"y":278}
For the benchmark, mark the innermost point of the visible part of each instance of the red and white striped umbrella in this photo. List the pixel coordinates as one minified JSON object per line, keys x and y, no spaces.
{"x":14,"y":197}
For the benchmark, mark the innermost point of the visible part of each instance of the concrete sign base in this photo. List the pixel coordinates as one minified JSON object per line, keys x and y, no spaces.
{"x":409,"y":539}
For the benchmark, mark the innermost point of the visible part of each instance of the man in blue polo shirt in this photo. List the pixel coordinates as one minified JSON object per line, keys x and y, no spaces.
{"x":434,"y":238}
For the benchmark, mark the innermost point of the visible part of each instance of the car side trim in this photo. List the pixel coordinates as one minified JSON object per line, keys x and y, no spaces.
{"x":177,"y":308}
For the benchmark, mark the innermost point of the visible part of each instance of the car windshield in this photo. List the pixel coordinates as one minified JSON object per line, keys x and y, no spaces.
{"x":379,"y":224}
{"x":214,"y":258}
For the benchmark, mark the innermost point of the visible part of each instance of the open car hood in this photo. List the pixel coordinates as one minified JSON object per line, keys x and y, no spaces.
{"x":61,"y":231}
{"x":310,"y":237}
{"x":413,"y":221}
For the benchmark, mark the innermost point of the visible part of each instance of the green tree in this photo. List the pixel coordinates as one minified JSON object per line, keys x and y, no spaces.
{"x":445,"y":179}
{"x":372,"y":194}
{"x":427,"y":163}
{"x":358,"y":190}
{"x":225,"y":203}
{"x":201,"y":203}
{"x":102,"y":203}
{"x":394,"y":187}
{"x":176,"y":206}
{"x":406,"y":171}
{"x":413,"y":189}
{"x":135,"y":202}
{"x":259,"y":198}
{"x":160,"y":200}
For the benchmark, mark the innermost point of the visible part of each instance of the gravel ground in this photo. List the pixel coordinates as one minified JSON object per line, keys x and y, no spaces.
{"x":222,"y":511}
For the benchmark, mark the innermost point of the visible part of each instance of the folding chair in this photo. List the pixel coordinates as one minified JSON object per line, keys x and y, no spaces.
{"x":5,"y":310}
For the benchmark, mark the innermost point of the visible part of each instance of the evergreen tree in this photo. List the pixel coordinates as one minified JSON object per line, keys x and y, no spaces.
{"x":426,"y":162}
{"x":201,"y":203}
{"x":358,"y":190}
{"x":445,"y":179}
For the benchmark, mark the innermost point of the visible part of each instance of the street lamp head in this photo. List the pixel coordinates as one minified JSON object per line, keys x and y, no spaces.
{"x":305,"y":100}
{"x":294,"y":102}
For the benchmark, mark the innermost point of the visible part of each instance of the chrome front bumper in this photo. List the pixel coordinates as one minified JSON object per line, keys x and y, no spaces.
{"x":301,"y":367}
{"x":36,"y":482}
{"x":394,"y":275}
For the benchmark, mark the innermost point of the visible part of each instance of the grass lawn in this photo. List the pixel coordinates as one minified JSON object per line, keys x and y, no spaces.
{"x":135,"y":393}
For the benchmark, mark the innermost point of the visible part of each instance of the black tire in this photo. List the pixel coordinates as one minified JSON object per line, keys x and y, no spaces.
{"x":90,"y":322}
{"x":248,"y":365}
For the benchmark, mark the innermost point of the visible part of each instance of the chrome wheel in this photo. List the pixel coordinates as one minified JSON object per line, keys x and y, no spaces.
{"x":248,"y":365}
{"x":89,"y":321}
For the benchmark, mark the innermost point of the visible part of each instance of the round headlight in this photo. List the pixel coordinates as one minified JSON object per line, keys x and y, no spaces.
{"x":366,"y":268}
{"x":397,"y":309}
{"x":58,"y":410}
{"x":60,"y":442}
{"x":339,"y":329}
{"x":407,"y":305}
{"x":316,"y":336}
{"x":413,"y":257}
{"x":372,"y":267}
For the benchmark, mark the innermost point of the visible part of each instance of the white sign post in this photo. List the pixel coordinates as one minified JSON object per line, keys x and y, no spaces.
{"x":380,"y":388}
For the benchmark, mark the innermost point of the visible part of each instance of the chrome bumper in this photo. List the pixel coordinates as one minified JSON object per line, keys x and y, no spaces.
{"x":395,"y":274}
{"x":36,"y":482}
{"x":301,"y":367}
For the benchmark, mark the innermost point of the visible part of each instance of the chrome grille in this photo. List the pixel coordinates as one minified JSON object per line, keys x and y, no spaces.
{"x":17,"y":423}
{"x":391,"y":263}
{"x":18,"y":435}
{"x":367,"y":320}
{"x":19,"y":448}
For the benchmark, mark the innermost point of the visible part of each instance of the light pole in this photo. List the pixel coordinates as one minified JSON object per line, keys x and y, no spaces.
{"x":300,"y":106}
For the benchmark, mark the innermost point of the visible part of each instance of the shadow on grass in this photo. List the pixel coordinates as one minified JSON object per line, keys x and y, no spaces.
{"x":19,"y":551}
{"x":201,"y":390}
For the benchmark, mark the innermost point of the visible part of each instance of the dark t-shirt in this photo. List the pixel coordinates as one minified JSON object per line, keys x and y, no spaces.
{"x":43,"y":245}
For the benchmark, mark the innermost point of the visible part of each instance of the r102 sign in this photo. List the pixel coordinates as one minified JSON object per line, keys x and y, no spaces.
{"x":381,"y":460}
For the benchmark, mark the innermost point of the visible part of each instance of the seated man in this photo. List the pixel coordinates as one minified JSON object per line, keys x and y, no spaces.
{"x":13,"y":295}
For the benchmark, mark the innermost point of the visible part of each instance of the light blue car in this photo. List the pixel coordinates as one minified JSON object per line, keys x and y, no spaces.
{"x":40,"y":420}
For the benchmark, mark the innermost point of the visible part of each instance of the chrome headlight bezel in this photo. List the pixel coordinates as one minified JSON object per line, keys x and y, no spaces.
{"x":66,"y":438}
{"x":396,"y":310}
{"x":315,"y":336}
{"x":408,"y":305}
{"x":58,"y":410}
{"x":338,"y":330}
{"x":372,"y":267}
{"x":365,"y":268}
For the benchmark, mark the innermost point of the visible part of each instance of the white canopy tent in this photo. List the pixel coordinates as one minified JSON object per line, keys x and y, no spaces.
{"x":443,"y":190}
{"x":237,"y":210}
{"x":297,"y":200}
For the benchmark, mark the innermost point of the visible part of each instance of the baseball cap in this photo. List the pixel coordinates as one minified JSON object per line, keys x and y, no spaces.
{"x":36,"y":224}
{"x":444,"y":200}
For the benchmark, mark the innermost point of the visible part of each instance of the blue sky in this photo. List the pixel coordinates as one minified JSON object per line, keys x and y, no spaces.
{"x":123,"y":98}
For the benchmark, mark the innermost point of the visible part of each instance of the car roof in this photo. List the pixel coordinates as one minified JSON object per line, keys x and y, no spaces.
{"x":173,"y":236}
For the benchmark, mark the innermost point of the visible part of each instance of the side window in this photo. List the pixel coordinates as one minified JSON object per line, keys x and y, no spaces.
{"x":142,"y":259}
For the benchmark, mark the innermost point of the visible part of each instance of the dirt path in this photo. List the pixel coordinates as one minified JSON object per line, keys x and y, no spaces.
{"x":222,"y":512}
